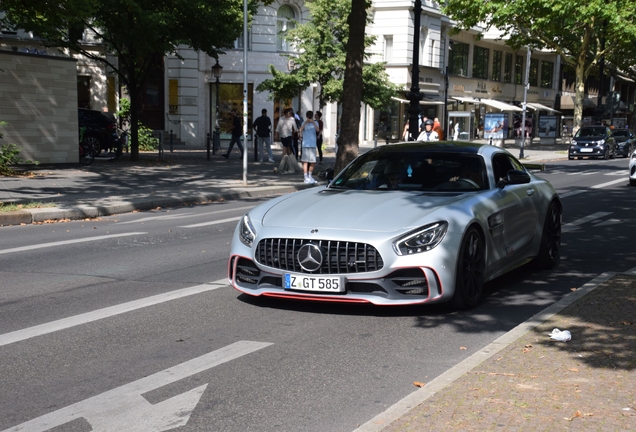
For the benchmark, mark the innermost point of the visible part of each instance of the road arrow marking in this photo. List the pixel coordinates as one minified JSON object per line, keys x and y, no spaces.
{"x":125,"y":409}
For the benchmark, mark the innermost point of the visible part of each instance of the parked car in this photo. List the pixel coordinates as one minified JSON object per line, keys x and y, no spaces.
{"x":403,"y":224}
{"x":625,"y":141}
{"x":592,"y":142}
{"x":632,"y":169}
{"x":100,"y":128}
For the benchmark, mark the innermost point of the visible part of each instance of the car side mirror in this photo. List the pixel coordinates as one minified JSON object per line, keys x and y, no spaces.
{"x":514,"y":177}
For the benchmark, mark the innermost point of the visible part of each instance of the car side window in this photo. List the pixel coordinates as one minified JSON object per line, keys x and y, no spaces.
{"x":501,"y":165}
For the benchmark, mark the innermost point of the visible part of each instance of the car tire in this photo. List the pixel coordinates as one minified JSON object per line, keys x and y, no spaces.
{"x":549,"y":255}
{"x":469,"y":276}
{"x":96,"y":142}
{"x":632,"y":182}
{"x":570,"y":157}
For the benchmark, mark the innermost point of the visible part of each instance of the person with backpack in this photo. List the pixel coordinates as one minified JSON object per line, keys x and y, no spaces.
{"x":263,"y":126}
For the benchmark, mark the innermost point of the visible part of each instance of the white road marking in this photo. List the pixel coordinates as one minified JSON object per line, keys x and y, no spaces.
{"x":124,"y":408}
{"x":571,"y":193}
{"x":609,"y":222}
{"x":216,"y":222}
{"x":64,"y":323}
{"x":594,"y":216}
{"x":590,"y":172}
{"x":609,"y":183}
{"x":65,"y":242}
{"x":615,"y":173}
{"x":186,"y":215}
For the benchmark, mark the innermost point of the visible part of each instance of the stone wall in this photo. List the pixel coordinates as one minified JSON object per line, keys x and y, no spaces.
{"x":38,"y":100}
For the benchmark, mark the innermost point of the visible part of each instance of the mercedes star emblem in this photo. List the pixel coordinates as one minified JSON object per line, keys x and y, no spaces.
{"x":310,"y":257}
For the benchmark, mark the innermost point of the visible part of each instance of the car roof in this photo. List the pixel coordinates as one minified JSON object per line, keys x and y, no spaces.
{"x":442,"y":147}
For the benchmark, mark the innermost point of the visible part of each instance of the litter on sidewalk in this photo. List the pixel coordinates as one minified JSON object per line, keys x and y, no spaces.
{"x":561,"y":336}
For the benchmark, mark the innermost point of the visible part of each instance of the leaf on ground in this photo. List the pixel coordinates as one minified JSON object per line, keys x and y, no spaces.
{"x":573,"y":369}
{"x":576,"y":414}
{"x":462,"y":348}
{"x":419,"y":384}
{"x":627,"y":322}
{"x":529,"y":346}
{"x":573,"y":289}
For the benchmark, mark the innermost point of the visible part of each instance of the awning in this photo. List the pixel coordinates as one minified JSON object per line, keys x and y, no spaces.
{"x":490,"y":102}
{"x":500,"y":105}
{"x":538,"y":107}
{"x":422,"y":102}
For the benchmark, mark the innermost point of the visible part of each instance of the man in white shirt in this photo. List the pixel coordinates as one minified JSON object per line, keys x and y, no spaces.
{"x":428,"y":134}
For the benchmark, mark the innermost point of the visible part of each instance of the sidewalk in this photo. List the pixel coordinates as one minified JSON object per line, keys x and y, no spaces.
{"x":184,"y":176}
{"x":525,"y":381}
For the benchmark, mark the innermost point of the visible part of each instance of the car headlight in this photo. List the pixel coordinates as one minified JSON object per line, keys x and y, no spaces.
{"x":573,"y":144}
{"x":247,"y":233}
{"x":421,"y":240}
{"x":601,"y":142}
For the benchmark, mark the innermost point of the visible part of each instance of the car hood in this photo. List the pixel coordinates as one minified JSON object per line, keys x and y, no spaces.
{"x":588,"y":139}
{"x":383,"y":211}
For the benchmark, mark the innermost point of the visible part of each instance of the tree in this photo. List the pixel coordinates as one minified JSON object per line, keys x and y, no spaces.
{"x":135,"y":31}
{"x":324,"y":44}
{"x":573,"y":29}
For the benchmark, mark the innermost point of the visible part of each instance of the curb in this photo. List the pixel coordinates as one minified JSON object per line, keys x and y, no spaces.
{"x":402,"y":407}
{"x":82,"y":211}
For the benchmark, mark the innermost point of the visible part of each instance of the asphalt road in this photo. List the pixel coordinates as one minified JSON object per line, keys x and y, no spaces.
{"x":126,"y":323}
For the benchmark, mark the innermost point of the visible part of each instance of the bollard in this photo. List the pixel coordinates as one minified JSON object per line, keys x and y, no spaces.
{"x":375,"y":141}
{"x":208,"y":145}
{"x":216,"y":141}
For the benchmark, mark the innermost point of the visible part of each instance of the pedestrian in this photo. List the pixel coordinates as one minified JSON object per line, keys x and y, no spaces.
{"x":299,"y":121}
{"x":237,"y":132}
{"x":456,"y":131}
{"x":308,"y":132}
{"x":437,"y":127}
{"x":263,"y":127}
{"x":405,"y":134}
{"x":285,"y":130}
{"x":428,"y":134}
{"x":321,"y":126}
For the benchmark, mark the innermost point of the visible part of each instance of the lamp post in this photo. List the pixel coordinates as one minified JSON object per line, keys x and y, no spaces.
{"x":414,"y":95}
{"x":217,"y":71}
{"x":525,"y":97}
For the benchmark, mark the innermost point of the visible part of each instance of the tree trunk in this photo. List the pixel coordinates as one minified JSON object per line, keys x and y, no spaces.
{"x":348,"y":140}
{"x":135,"y":108}
{"x":579,"y":84}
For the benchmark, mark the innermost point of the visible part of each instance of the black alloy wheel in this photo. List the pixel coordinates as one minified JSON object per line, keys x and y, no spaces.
{"x":549,"y":251}
{"x":95,"y":142}
{"x":469,"y":278}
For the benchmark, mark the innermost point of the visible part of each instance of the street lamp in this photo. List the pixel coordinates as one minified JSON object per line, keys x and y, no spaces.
{"x":217,"y":71}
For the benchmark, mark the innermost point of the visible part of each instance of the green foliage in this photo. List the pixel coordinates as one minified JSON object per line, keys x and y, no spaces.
{"x":10,"y":156}
{"x":322,"y":43}
{"x":147,"y":142}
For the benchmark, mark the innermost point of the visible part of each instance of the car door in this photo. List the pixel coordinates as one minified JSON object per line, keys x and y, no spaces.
{"x":516,"y":220}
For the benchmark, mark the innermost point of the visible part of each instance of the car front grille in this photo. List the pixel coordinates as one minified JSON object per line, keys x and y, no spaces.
{"x":338,"y":257}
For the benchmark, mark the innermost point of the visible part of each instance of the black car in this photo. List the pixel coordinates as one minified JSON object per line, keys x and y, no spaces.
{"x":100,"y":128}
{"x":625,"y":141}
{"x":593,"y":142}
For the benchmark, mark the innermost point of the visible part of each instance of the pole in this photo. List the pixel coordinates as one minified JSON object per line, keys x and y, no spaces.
{"x":217,"y":125}
{"x":414,"y":95}
{"x":445,"y":119}
{"x":245,"y":92}
{"x":525,"y":97}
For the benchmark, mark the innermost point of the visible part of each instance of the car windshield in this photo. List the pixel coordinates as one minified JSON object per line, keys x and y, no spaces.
{"x":417,"y":170}
{"x":620,"y":133}
{"x":590,"y":132}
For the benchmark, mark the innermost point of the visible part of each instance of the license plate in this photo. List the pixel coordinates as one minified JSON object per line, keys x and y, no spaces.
{"x":313,"y":283}
{"x":587,"y":150}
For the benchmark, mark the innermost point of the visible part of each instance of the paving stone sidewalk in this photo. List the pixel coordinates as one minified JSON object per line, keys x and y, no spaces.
{"x":537,"y":384}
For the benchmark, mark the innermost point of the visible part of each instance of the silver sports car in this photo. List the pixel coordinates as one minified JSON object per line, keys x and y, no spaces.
{"x":402,"y":224}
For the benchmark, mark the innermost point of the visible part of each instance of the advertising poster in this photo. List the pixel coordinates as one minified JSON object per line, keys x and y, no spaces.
{"x":547,"y":126}
{"x":496,"y":126}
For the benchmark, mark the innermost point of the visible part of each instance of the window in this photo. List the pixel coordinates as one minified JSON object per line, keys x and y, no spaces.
{"x":496,"y":65}
{"x":481,"y":57}
{"x":285,"y":21}
{"x":508,"y":68}
{"x":546,"y":74}
{"x":238,"y":43}
{"x":84,"y":92}
{"x":431,"y":53}
{"x":519,"y":70}
{"x":388,"y":48}
{"x":534,"y":72}
{"x":458,"y":59}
